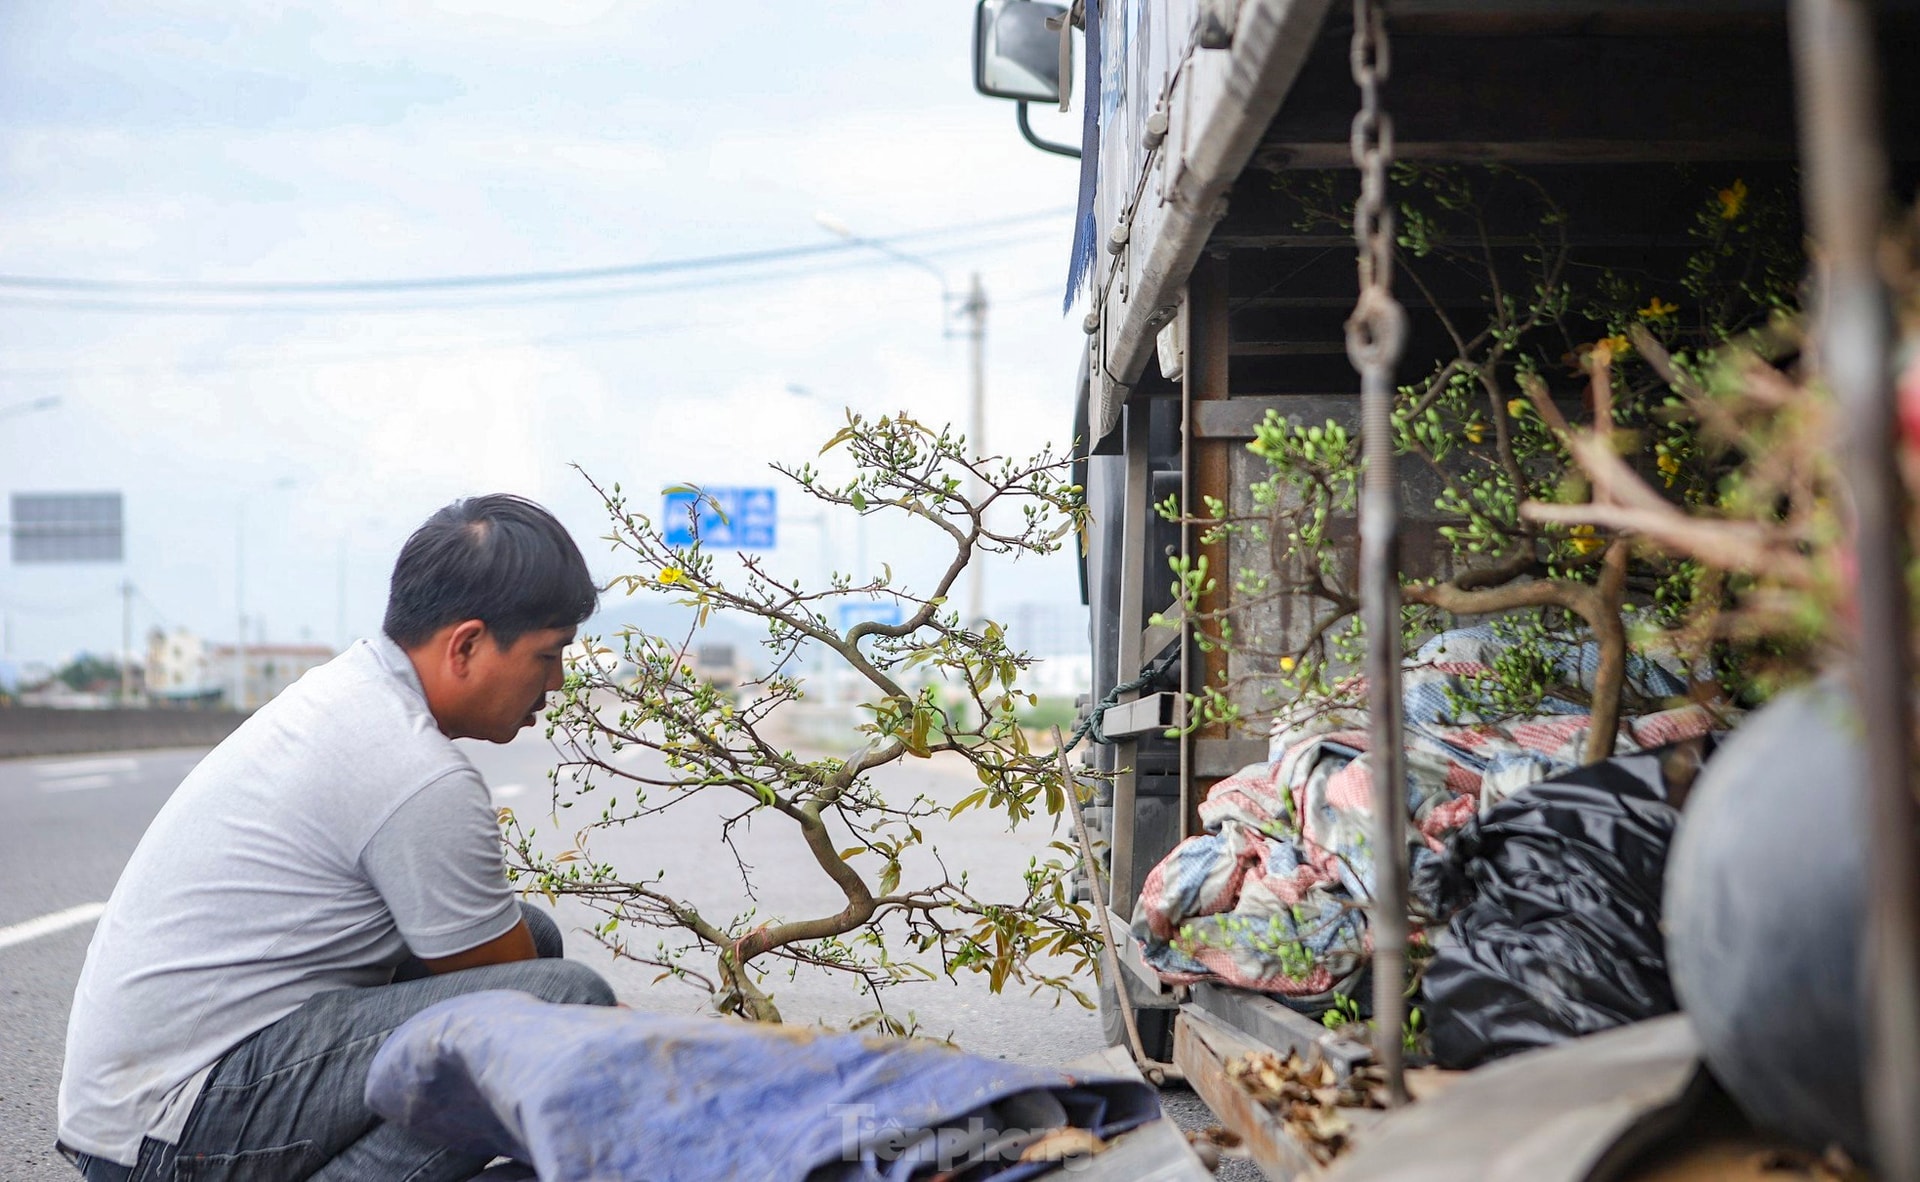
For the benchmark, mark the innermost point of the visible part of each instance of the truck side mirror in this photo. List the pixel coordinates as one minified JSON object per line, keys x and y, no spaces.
{"x":1015,"y":54}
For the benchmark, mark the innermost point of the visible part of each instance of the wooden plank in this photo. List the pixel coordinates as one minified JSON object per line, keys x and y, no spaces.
{"x":1236,"y":418}
{"x":1289,"y":348}
{"x":1216,"y":759}
{"x":1267,"y":1023}
{"x":1413,"y":9}
{"x":1156,"y":637}
{"x":1312,"y":374}
{"x":1640,"y":18}
{"x":1568,"y":1113}
{"x":1133,"y":546}
{"x":1147,"y":980}
{"x":1464,"y":89}
{"x":1619,"y":207}
{"x":1304,"y":154}
{"x":1202,"y":1048}
{"x":1210,"y":342}
{"x":1714,"y":97}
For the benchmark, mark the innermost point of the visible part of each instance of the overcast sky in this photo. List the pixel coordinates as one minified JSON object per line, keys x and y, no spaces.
{"x":221,"y":141}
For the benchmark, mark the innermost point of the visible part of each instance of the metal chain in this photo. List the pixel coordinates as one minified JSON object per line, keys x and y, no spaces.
{"x":1375,"y":334}
{"x":1377,"y":328}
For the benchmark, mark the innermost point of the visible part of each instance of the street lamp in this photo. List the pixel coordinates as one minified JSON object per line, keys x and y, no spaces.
{"x":973,"y":309}
{"x":239,"y":592}
{"x":840,"y":229}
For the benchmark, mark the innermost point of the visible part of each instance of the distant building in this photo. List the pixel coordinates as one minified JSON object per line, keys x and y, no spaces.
{"x":270,"y":668}
{"x":184,"y":670}
{"x":177,"y":666}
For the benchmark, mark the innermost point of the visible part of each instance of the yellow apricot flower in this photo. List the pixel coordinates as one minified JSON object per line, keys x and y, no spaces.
{"x":1669,"y":467}
{"x":671,"y":575}
{"x":1658,"y":309}
{"x":1516,"y":407}
{"x":1733,"y":200}
{"x":1605,"y":351}
{"x":1582,"y":539}
{"x":1286,"y":664}
{"x":1476,"y":432}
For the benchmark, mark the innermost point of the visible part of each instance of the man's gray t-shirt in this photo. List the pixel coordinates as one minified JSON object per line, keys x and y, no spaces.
{"x":333,"y":834}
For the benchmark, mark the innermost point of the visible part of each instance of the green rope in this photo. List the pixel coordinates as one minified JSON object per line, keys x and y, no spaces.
{"x":1089,"y":727}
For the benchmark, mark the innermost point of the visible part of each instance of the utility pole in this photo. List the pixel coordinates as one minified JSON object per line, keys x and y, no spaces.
{"x":239,"y":608}
{"x":340,"y":613}
{"x":239,"y":593}
{"x":126,"y":640}
{"x":974,"y":310}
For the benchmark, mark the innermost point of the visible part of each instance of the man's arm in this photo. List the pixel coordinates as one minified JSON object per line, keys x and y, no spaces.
{"x":516,"y":944}
{"x":437,"y":864}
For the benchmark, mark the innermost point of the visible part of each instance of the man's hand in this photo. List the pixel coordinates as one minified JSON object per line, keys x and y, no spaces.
{"x":515,"y":944}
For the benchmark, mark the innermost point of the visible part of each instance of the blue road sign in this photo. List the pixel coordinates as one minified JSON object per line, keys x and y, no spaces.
{"x":880,"y":611}
{"x":746,"y":518}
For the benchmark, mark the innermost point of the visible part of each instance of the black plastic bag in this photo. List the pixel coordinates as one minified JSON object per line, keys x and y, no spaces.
{"x":1553,"y":902}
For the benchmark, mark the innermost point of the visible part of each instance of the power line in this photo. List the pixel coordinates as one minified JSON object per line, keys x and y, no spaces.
{"x":302,"y":361}
{"x":459,"y":348}
{"x":146,"y":307}
{"x":502,"y":279}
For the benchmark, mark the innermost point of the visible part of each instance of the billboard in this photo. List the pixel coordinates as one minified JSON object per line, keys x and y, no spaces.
{"x":67,"y":527}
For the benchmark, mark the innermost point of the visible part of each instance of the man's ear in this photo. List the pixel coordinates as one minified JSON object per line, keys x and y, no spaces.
{"x":462,"y":641}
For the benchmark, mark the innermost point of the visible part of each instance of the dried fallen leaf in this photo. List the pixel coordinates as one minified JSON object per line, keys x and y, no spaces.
{"x":1061,"y":1144}
{"x":1309,"y":1097}
{"x":1219,"y":1135}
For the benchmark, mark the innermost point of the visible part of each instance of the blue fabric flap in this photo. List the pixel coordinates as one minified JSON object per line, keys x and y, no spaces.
{"x":591,"y":1093}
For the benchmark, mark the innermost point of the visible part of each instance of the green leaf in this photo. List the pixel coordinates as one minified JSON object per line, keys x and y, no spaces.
{"x":970,"y":801}
{"x":917,"y":738}
{"x":839,"y":437}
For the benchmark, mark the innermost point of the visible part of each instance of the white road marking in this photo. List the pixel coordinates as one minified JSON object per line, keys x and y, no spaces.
{"x":84,"y":767}
{"x":46,"y":925}
{"x":508,"y":790}
{"x":78,"y":783}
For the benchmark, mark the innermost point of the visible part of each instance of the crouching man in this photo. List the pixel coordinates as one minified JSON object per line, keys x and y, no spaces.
{"x":330,"y":870}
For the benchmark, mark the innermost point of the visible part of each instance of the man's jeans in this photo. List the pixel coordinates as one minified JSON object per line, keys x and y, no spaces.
{"x":288,"y":1103}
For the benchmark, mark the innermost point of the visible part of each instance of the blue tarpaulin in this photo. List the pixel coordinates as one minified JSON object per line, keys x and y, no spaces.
{"x":592,"y":1094}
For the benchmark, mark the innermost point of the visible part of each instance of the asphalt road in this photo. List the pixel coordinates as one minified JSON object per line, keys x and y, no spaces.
{"x":74,"y":821}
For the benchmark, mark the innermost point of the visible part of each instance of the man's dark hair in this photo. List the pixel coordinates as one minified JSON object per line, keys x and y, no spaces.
{"x":499,"y":559}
